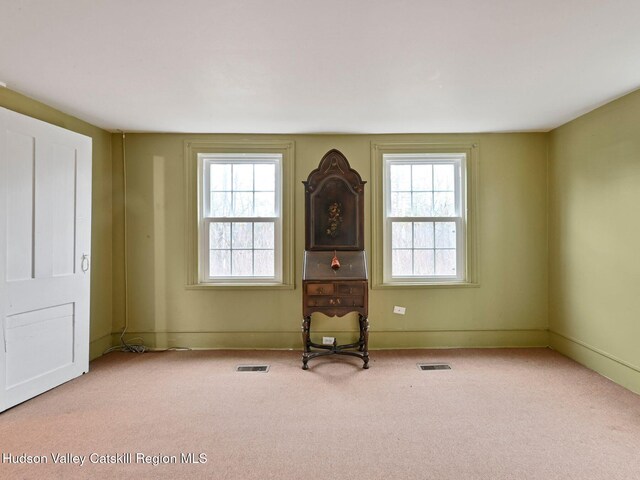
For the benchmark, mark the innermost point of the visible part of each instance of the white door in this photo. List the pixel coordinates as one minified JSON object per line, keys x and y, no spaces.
{"x":45,"y":240}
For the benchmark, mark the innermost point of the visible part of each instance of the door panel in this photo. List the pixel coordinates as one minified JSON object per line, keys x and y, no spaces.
{"x":20,"y":171}
{"x":63,"y":178}
{"x":38,"y":343}
{"x":45,"y":230}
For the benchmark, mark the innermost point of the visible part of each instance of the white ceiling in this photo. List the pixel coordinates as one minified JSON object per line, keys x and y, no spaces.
{"x":316,"y":66}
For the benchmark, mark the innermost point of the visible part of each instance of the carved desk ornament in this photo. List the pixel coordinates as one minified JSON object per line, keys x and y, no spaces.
{"x":334,"y":277}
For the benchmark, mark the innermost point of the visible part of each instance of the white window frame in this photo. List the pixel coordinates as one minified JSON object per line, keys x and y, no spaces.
{"x":458,"y":160}
{"x":380,"y":264}
{"x":205,"y":160}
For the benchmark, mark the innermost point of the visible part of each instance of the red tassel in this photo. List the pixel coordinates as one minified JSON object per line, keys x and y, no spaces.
{"x":335,"y":263}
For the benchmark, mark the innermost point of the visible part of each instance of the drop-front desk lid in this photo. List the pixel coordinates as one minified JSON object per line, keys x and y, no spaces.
{"x":317,"y":265}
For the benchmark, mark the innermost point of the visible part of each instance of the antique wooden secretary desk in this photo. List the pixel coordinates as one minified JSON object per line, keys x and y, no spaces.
{"x":334,"y":278}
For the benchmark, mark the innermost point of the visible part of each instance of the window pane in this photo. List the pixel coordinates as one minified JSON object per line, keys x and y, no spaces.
{"x":242,"y":204}
{"x":242,"y":235}
{"x":220,"y":204}
{"x":443,"y":177}
{"x":400,"y":205}
{"x":265,"y":177}
{"x":241,"y":193}
{"x":401,"y":235}
{"x":263,"y":263}
{"x":445,"y":262}
{"x":423,"y":235}
{"x":421,"y":178}
{"x":241,"y":264}
{"x":422,"y":187}
{"x":445,"y":235}
{"x":263,"y":235}
{"x":220,"y":263}
{"x":400,"y":177}
{"x":265,"y":204}
{"x":242,"y":177}
{"x":401,"y":263}
{"x":423,"y":204}
{"x":444,"y":205}
{"x":423,"y":262}
{"x":219,"y":235}
{"x":220,"y":177}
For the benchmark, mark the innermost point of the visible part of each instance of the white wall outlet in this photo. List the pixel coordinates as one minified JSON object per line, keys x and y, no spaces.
{"x":328,"y":340}
{"x":399,"y":310}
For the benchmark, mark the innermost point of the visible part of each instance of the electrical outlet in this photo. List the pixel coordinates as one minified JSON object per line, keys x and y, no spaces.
{"x":399,"y":310}
{"x":328,"y":340}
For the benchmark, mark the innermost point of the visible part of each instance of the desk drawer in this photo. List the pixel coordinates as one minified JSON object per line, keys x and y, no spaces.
{"x":350,"y":289}
{"x":320,"y":289}
{"x":346,"y":302}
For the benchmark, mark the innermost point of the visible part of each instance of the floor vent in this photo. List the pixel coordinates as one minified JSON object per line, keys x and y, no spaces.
{"x":434,"y":366}
{"x":252,"y":368}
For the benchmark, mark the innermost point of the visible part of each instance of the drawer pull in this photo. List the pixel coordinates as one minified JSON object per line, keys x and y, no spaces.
{"x":320,"y":290}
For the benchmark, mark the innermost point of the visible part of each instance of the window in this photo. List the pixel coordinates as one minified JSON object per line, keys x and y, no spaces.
{"x":239,"y":198}
{"x":241,"y":225}
{"x":423,"y":216}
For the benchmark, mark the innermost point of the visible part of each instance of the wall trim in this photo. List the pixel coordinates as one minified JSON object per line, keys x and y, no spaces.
{"x":191,"y":149}
{"x":377,"y":151}
{"x":460,"y":339}
{"x":379,"y":339}
{"x":614,"y":368}
{"x":98,"y":346}
{"x":596,"y":350}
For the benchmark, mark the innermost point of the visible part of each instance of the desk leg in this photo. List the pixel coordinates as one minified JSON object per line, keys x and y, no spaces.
{"x":364,"y":334}
{"x":306,"y":325}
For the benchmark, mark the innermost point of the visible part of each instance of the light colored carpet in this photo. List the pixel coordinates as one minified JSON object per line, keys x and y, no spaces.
{"x":498,"y":414}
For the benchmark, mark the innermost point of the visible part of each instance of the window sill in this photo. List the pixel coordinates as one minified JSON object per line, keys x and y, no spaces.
{"x":241,"y":286}
{"x":412,"y":285}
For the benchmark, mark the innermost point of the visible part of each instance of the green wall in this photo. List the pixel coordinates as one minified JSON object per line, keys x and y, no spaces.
{"x":594,"y":234}
{"x":557,"y":233}
{"x":101,"y":222}
{"x":509,"y":308}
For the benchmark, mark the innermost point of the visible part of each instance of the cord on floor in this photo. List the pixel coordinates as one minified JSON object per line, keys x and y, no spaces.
{"x":128,"y":347}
